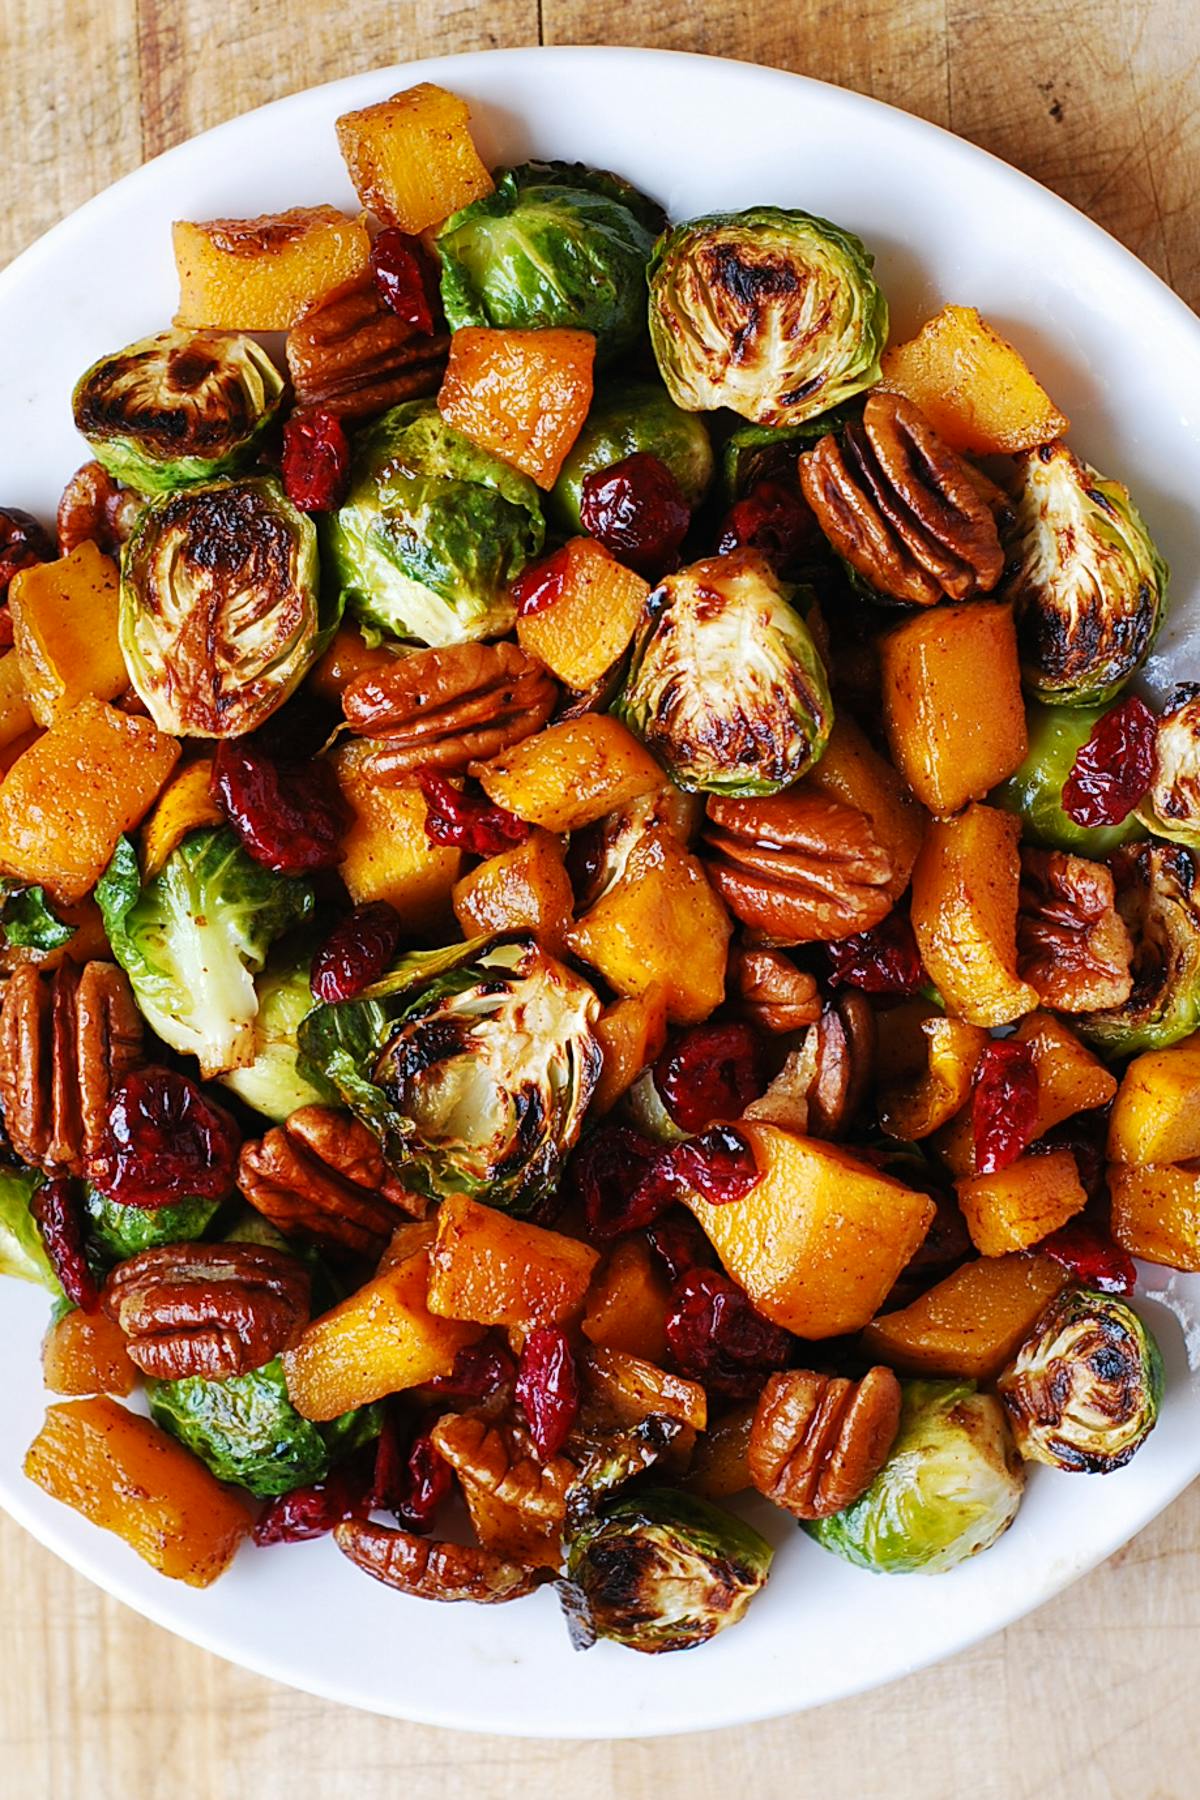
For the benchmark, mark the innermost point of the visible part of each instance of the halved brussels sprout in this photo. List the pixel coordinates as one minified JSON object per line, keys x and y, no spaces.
{"x":1172,"y":807}
{"x":431,"y":532}
{"x":115,"y":1232}
{"x":179,"y":407}
{"x":1084,"y":1392}
{"x":555,"y":244}
{"x":773,"y":314}
{"x":661,"y":1570}
{"x":1088,"y":585}
{"x":1159,"y":899}
{"x":272,"y":1083}
{"x":474,"y":1066}
{"x":725,"y":685}
{"x":22,"y":1252}
{"x":221,"y":614}
{"x":629,"y":417}
{"x":950,"y":1487}
{"x":1056,"y":736}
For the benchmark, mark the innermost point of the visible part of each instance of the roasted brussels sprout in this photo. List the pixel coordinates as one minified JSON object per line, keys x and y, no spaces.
{"x":115,"y":1232}
{"x":221,"y":616}
{"x":950,"y":1487}
{"x":272,"y":1084}
{"x":29,"y":922}
{"x":474,"y":1065}
{"x":432,"y":530}
{"x":725,"y":685}
{"x":1158,"y":896}
{"x":1172,"y":807}
{"x":179,"y":407}
{"x":192,"y":940}
{"x":661,"y":1570}
{"x":22,"y":1252}
{"x":629,"y":417}
{"x":1084,"y":1391}
{"x":554,"y":244}
{"x":773,"y":314}
{"x":1056,"y":736}
{"x":1087,"y":583}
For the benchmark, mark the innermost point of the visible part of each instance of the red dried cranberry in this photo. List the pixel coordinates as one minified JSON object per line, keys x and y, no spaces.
{"x":480,"y":1370}
{"x":541,"y":584}
{"x":719,"y":1164}
{"x":289,"y":816}
{"x":404,"y":279}
{"x":1004,"y":1104}
{"x":23,"y":542}
{"x":548,"y":1389}
{"x":311,"y":1512}
{"x":164,"y":1141}
{"x":1092,"y":1259}
{"x":428,"y":1480}
{"x":467,"y":820}
{"x":356,"y":952}
{"x":716,"y":1336}
{"x":710,"y":1072}
{"x":884,"y":960}
{"x":636,"y":509}
{"x":58,"y":1215}
{"x":1113,"y":770}
{"x":316,"y":461}
{"x":773,"y":518}
{"x":608,"y":1170}
{"x":679,"y":1243}
{"x":6,"y":629}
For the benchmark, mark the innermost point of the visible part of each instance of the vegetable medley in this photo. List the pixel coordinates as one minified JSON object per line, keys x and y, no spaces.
{"x":590,"y":917}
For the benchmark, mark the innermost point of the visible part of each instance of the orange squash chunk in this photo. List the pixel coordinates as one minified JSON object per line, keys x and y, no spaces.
{"x":411,"y":158}
{"x":64,"y":618}
{"x":572,"y":773}
{"x":260,"y":274}
{"x":16,"y":720}
{"x":976,"y":391}
{"x":952,"y":702}
{"x":526,"y":888}
{"x":819,"y":1242}
{"x":348,"y":656}
{"x":1156,"y":1118}
{"x":853,"y":773}
{"x":580,"y":635}
{"x":964,"y":915}
{"x":925,"y":1065}
{"x":634,"y":1389}
{"x":84,"y":1353}
{"x":720,"y":1465}
{"x":523,"y":395}
{"x":495,"y":1270}
{"x":130,"y":1478}
{"x":631,"y":1034}
{"x":1022,"y":1204}
{"x":386,"y":854}
{"x":64,"y":804}
{"x":971,"y":1324}
{"x":1156,"y":1212}
{"x":627,"y":1302}
{"x":185,"y":804}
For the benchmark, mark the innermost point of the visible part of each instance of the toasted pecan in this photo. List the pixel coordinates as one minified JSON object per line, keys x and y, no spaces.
{"x":431,"y":1570}
{"x":818,"y":1441}
{"x":771,"y":991}
{"x":93,"y":508}
{"x":821,"y":1085}
{"x":213,"y":1310}
{"x":322,"y":1176}
{"x":349,"y":355}
{"x":1073,"y":946}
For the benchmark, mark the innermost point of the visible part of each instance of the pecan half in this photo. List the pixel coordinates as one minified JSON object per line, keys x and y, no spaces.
{"x":902,"y":507}
{"x":322,"y":1176}
{"x":431,"y":1570}
{"x":214,"y":1310}
{"x":821,"y":1086}
{"x":68,"y":1037}
{"x":518,"y":1505}
{"x":1073,"y":946}
{"x":772,"y":992}
{"x":818,"y":1441}
{"x":350,"y":355}
{"x":444,"y":709}
{"x":796,"y":867}
{"x":94,"y":507}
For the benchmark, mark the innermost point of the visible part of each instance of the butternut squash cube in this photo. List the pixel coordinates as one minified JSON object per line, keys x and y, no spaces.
{"x":1156,"y":1116}
{"x":1156,"y":1212}
{"x":631,"y":1033}
{"x":720,"y":1465}
{"x":572,"y":773}
{"x":411,"y":158}
{"x":387,"y":855}
{"x":1022,"y":1204}
{"x":64,"y":618}
{"x":580,"y":635}
{"x":627,"y":1302}
{"x":260,"y":274}
{"x":819,"y":1242}
{"x":975,"y":389}
{"x":348,"y":656}
{"x":84,"y":1353}
{"x":526,"y":888}
{"x":972,"y":1323}
{"x":952,"y":702}
{"x":125,"y":1475}
{"x":964,"y":915}
{"x":185,"y":804}
{"x":496,"y":1270}
{"x":16,"y":719}
{"x":523,"y":395}
{"x":67,"y":800}
{"x":853,"y":773}
{"x":925,"y":1064}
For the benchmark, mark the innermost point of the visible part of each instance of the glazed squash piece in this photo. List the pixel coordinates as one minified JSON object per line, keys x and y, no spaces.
{"x":64,"y":617}
{"x":1022,"y":1204}
{"x":1156,"y":1114}
{"x":627,"y":1302}
{"x":572,"y":773}
{"x":526,"y":888}
{"x":1156,"y":1212}
{"x":972,"y":1323}
{"x":495,"y":1270}
{"x":976,"y":390}
{"x":523,"y":395}
{"x":591,"y":620}
{"x":925,"y":1065}
{"x":185,"y":804}
{"x":260,"y":274}
{"x":631,"y":1033}
{"x":386,"y":853}
{"x":964,"y":914}
{"x":84,"y":1353}
{"x":16,"y":718}
{"x":411,"y":158}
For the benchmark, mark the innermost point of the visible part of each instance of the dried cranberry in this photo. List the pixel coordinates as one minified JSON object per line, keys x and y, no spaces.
{"x":719,"y":1165}
{"x":1004,"y":1104}
{"x":58,"y":1215}
{"x":289,"y":816}
{"x":23,"y":542}
{"x":164,"y":1141}
{"x":316,"y":461}
{"x":884,"y":960}
{"x":466,"y":820}
{"x":1091,"y":1258}
{"x":404,"y":279}
{"x":716,"y":1336}
{"x":548,"y":1389}
{"x":773,"y":518}
{"x":679,"y":1243}
{"x":428,"y":1480}
{"x":1113,"y":770}
{"x":480,"y":1370}
{"x":711,"y":1072}
{"x":356,"y":952}
{"x":541,"y":584}
{"x":636,"y":509}
{"x":608,"y":1170}
{"x":6,"y":629}
{"x":311,"y":1512}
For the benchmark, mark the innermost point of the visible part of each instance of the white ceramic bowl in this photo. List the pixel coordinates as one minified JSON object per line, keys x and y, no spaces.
{"x":1116,"y":349}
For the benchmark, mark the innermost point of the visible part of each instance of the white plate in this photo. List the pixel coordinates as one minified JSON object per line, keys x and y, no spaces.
{"x":1115,"y":348}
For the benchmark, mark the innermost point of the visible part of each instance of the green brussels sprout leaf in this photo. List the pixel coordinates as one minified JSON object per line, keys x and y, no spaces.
{"x":272,"y":1084}
{"x":1056,"y":736}
{"x":30,"y":923}
{"x":22,"y":1252}
{"x":116,"y":1232}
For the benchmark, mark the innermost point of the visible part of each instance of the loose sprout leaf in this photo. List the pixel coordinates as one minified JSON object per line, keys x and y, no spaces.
{"x":21,"y":1250}
{"x":116,"y":1232}
{"x":245,"y":1429}
{"x":30,"y":923}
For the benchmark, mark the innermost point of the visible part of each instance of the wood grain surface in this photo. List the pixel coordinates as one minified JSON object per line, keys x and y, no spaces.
{"x":1095,"y":1694}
